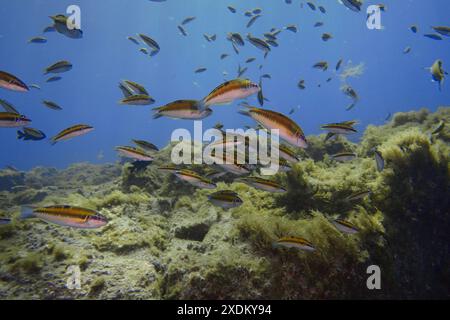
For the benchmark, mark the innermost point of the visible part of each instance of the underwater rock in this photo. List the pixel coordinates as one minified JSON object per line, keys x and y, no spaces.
{"x":165,"y":240}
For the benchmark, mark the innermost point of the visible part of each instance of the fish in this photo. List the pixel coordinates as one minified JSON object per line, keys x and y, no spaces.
{"x":53,"y":79}
{"x":183,"y":109}
{"x":232,"y":9}
{"x":59,"y":67}
{"x":187,"y":20}
{"x":4,"y":221}
{"x":145,"y":145}
{"x":200,"y":70}
{"x":258,"y":43}
{"x":443,"y":30}
{"x":236,"y":38}
{"x":35,"y":86}
{"x":321,"y":65}
{"x":288,"y":154}
{"x":67,"y":216}
{"x":358,"y":195}
{"x":292,"y":28}
{"x":133,"y":153}
{"x":150,"y":42}
{"x":225,"y":199}
{"x":137,"y":100}
{"x":195,"y":179}
{"x":133,"y":39}
{"x":344,"y":156}
{"x":61,"y":26}
{"x":311,"y":6}
{"x":414,"y":28}
{"x":168,"y":168}
{"x":289,"y":131}
{"x":407,"y":50}
{"x":433,"y":36}
{"x":182,"y":31}
{"x":257,"y":11}
{"x":49,"y":29}
{"x":345,"y":226}
{"x":260,"y":94}
{"x":10,"y":82}
{"x":210,"y":38}
{"x":8,"y":107}
{"x":294,"y":242}
{"x":241,"y":71}
{"x":250,"y":60}
{"x":51,"y":105}
{"x":223,"y":56}
{"x":248,"y":13}
{"x":71,"y":132}
{"x":143,"y":50}
{"x":272,"y":43}
{"x":235,"y":48}
{"x":38,"y":40}
{"x":31,"y":134}
{"x":214,"y":174}
{"x":318,"y":24}
{"x":135,"y":87}
{"x":338,"y":64}
{"x":322,"y":9}
{"x":13,"y":120}
{"x":270,"y":36}
{"x":326,"y":36}
{"x":438,"y":73}
{"x":354,"y":5}
{"x":438,"y":128}
{"x":252,"y":20}
{"x":266,"y":76}
{"x":229,"y":91}
{"x":301,"y":85}
{"x":339,"y":128}
{"x":379,"y":160}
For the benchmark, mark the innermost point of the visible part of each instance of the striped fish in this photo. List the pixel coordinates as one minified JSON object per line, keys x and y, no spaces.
{"x":288,"y":129}
{"x":136,"y":87}
{"x":13,"y":120}
{"x":194,"y":179}
{"x":145,"y":145}
{"x":263,"y":184}
{"x":59,"y":67}
{"x":344,"y":156}
{"x":225,"y":199}
{"x":345,"y":226}
{"x":150,"y":42}
{"x":133,"y":153}
{"x":168,"y":168}
{"x":358,"y":195}
{"x":229,"y":91}
{"x":182,"y":109}
{"x":72,"y":132}
{"x":51,"y":105}
{"x":137,"y":100}
{"x":10,"y":82}
{"x":295,"y":242}
{"x":339,"y":128}
{"x":67,"y":216}
{"x":288,"y":154}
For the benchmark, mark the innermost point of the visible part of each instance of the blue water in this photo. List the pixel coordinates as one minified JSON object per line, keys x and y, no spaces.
{"x":392,"y":81}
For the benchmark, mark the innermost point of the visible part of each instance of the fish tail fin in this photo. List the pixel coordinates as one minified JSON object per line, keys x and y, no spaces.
{"x":244,"y":113}
{"x":157,"y":115}
{"x":52,"y":142}
{"x":20,"y":134}
{"x":202,"y":104}
{"x":26,"y":212}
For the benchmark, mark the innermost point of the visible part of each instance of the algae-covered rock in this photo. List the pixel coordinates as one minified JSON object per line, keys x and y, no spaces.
{"x":165,"y":240}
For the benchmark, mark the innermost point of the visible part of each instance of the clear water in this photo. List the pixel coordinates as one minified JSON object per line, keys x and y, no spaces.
{"x":392,"y":81}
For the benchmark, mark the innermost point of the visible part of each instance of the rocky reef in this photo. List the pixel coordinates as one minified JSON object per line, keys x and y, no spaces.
{"x":164,"y":240}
